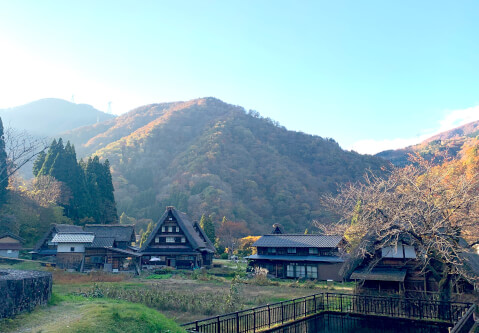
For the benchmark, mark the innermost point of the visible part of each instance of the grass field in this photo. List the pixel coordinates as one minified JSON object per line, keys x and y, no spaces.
{"x":182,"y":296}
{"x":83,"y":315}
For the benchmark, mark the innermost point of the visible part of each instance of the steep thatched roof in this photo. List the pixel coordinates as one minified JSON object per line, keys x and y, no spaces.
{"x":194,"y":237}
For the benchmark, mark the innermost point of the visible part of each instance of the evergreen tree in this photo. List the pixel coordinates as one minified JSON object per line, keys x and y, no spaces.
{"x":38,"y":163}
{"x":3,"y":166}
{"x":208,"y":227}
{"x":90,"y":183}
{"x":52,"y":153}
{"x":100,"y":187}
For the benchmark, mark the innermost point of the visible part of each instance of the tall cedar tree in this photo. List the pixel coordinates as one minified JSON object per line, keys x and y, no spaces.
{"x":101,"y":189}
{"x":3,"y":166}
{"x":90,"y":183}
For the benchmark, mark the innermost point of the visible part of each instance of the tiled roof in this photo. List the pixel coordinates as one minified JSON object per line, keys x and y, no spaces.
{"x":296,"y":258}
{"x":120,"y":232}
{"x":295,"y":240}
{"x":56,"y":228}
{"x":102,"y":242}
{"x":71,"y":237}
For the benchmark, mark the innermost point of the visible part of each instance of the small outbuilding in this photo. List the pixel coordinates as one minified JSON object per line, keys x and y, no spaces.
{"x":45,"y":249}
{"x":10,"y":245}
{"x":71,"y":249}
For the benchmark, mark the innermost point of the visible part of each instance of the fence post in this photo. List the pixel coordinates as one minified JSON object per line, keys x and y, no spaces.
{"x":196,"y":326}
{"x":420,"y":309}
{"x":294,"y":309}
{"x":218,"y":324}
{"x":341,"y":302}
{"x":327,"y":300}
{"x":237,"y":322}
{"x":254,"y":321}
{"x":314,"y":304}
{"x":269,"y":316}
{"x":282,"y":313}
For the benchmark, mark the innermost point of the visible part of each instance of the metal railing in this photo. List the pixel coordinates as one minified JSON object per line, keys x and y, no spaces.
{"x":466,"y":322}
{"x":267,"y":316}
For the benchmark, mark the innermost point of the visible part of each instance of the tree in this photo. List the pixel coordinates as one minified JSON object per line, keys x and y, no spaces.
{"x":3,"y":166}
{"x":20,"y":148}
{"x":46,"y":191}
{"x":208,"y":227}
{"x":230,"y":232}
{"x":433,"y":206}
{"x":146,"y":234}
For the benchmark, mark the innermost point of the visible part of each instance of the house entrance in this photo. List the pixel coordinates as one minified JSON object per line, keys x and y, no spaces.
{"x":171,"y":262}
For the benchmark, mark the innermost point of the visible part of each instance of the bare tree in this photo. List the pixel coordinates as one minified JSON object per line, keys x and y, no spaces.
{"x":433,"y":206}
{"x":21,"y":148}
{"x":47,"y":191}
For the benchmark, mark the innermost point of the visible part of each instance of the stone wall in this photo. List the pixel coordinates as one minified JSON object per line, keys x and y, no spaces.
{"x":23,"y":290}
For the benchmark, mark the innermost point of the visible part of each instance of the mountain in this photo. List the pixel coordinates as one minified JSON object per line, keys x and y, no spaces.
{"x":208,"y":157}
{"x":51,"y":116}
{"x":445,"y":145}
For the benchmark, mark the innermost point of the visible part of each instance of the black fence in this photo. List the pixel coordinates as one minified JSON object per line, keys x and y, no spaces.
{"x":466,"y":322}
{"x":267,"y":316}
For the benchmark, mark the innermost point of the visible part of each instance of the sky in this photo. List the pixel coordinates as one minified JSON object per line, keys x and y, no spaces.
{"x":373,"y":75}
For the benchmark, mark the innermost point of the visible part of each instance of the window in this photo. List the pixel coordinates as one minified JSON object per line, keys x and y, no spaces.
{"x":170,"y":239}
{"x":157,"y":239}
{"x":170,"y":229}
{"x":9,"y":251}
{"x":271,"y":250}
{"x":163,"y":229}
{"x":313,"y":250}
{"x":290,"y":271}
{"x":183,"y":240}
{"x":72,"y":249}
{"x":291,"y":250}
{"x":300,"y":271}
{"x":177,"y":229}
{"x":170,"y":218}
{"x":312,"y":272}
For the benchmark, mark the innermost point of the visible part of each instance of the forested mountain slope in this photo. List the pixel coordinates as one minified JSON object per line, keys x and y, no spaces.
{"x":445,"y":145}
{"x":208,"y":157}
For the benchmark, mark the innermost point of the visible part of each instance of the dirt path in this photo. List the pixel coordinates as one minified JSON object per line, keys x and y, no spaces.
{"x":51,"y":319}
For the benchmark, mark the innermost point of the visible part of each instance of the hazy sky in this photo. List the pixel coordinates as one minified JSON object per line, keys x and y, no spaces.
{"x":370,"y":74}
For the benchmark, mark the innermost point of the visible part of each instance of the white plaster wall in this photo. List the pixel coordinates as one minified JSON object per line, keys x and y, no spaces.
{"x":65,"y":247}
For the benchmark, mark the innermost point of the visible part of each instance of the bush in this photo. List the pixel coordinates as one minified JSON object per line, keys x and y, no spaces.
{"x":163,"y":270}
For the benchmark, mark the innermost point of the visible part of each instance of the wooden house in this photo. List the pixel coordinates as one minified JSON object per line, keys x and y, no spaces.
{"x":112,"y":248}
{"x":45,"y":249}
{"x":391,"y":268}
{"x":316,"y":257}
{"x":397,"y":268}
{"x":177,"y":242}
{"x":71,"y":248}
{"x":10,"y":245}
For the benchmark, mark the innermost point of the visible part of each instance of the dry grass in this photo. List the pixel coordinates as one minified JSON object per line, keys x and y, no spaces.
{"x":63,"y":277}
